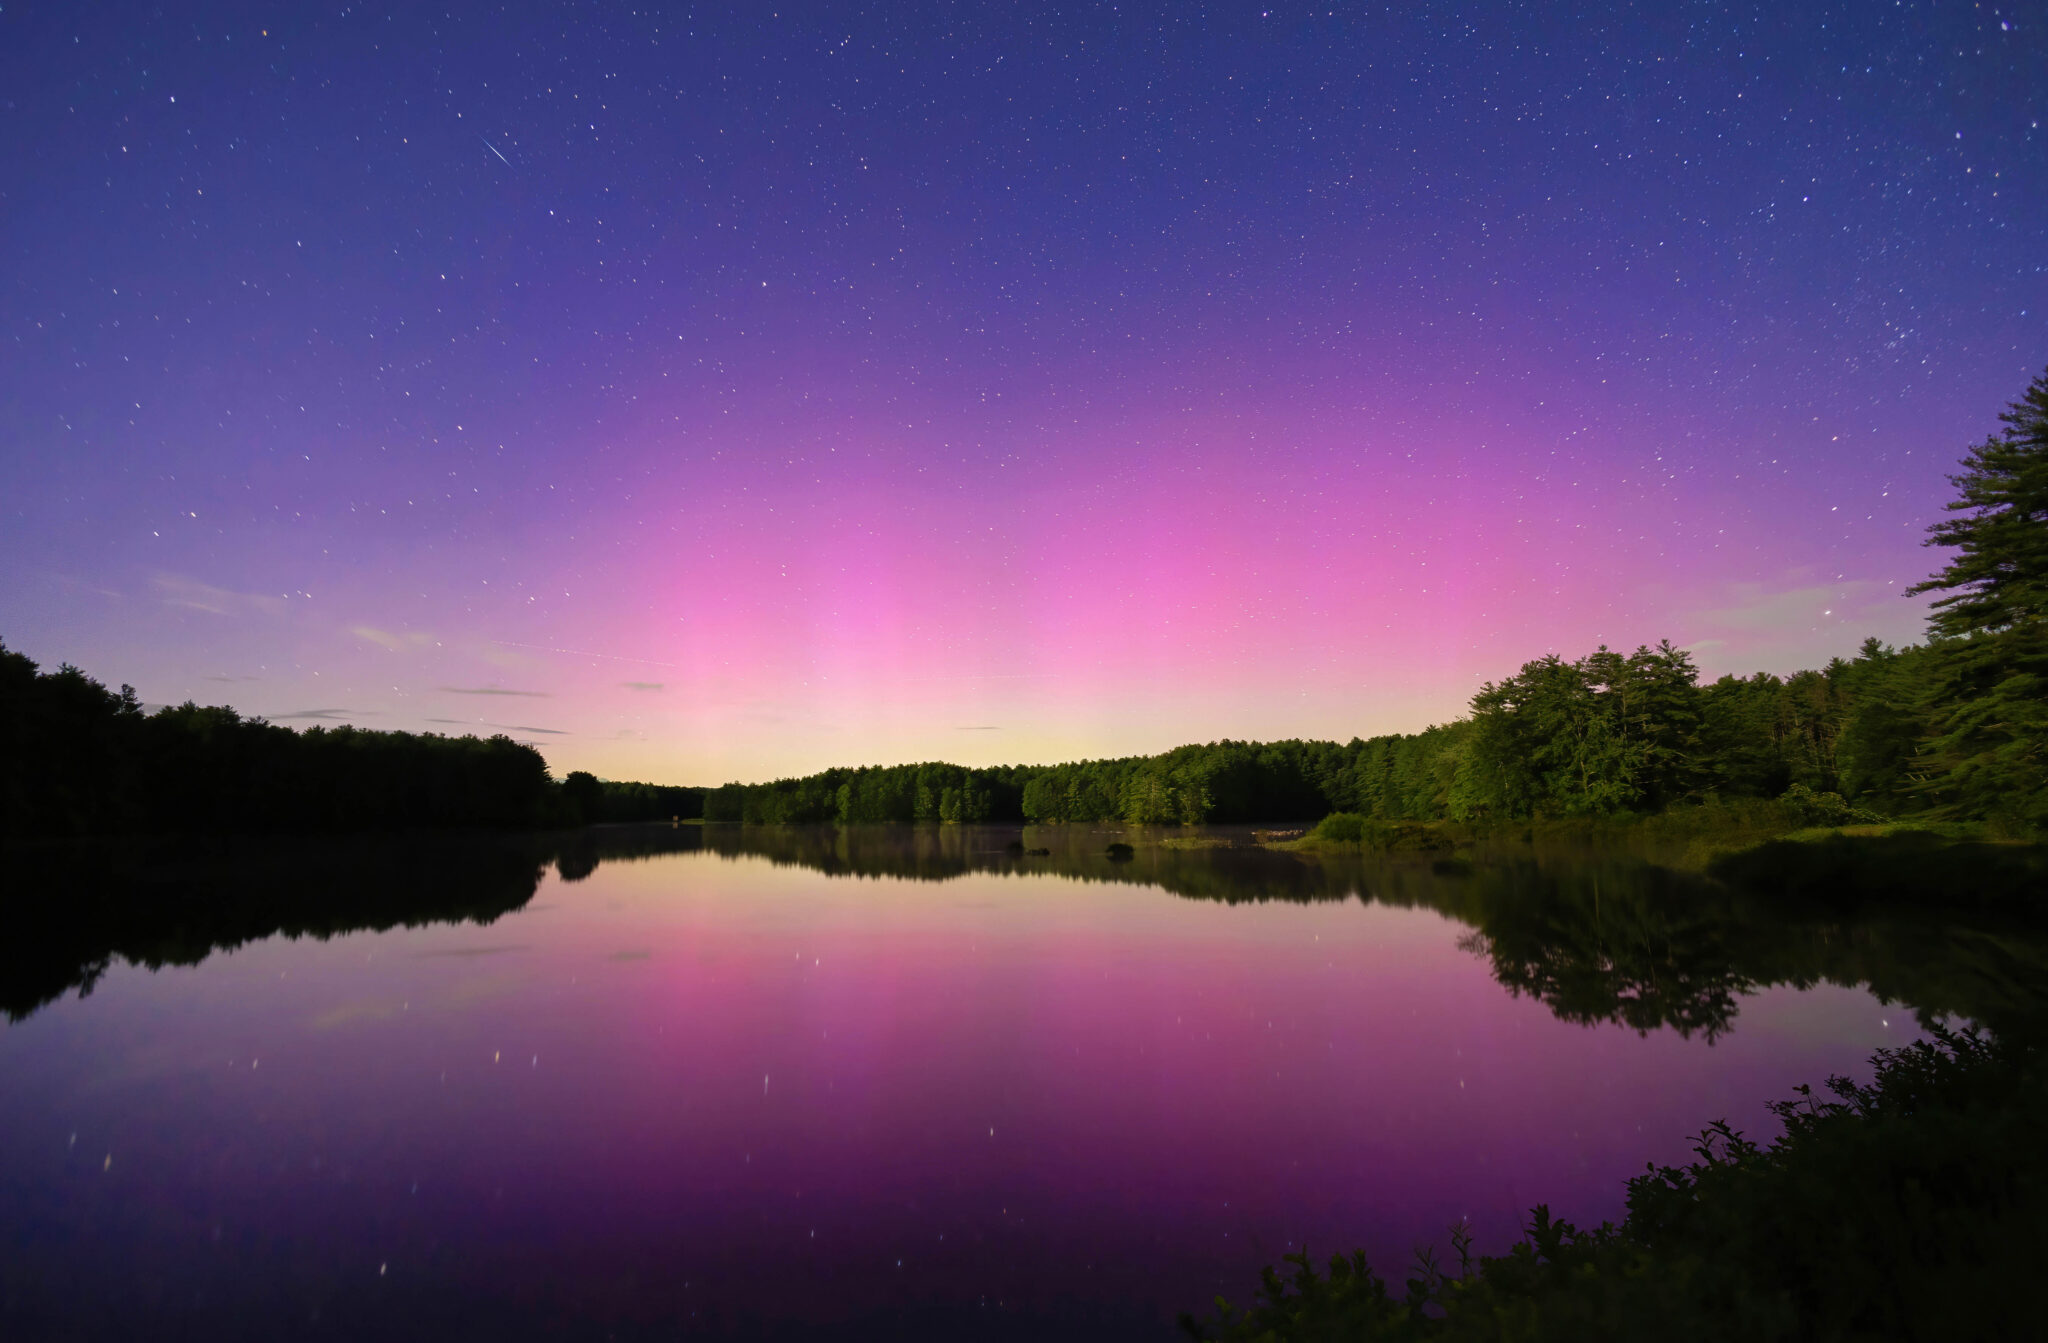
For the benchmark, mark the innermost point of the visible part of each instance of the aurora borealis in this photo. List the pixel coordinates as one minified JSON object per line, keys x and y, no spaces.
{"x":722,"y":392}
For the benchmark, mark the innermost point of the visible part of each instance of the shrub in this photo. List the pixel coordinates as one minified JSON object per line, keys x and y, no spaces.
{"x":1915,"y":1207}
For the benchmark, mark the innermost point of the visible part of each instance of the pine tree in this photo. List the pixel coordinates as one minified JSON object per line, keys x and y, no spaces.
{"x":1999,"y":581}
{"x":1991,"y":742}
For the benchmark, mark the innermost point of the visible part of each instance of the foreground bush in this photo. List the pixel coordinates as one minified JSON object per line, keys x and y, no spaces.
{"x":1911,"y":1208}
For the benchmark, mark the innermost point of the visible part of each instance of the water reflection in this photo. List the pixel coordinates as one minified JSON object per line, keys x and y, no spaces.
{"x":884,"y":1084}
{"x":74,"y":911}
{"x":1595,"y":937}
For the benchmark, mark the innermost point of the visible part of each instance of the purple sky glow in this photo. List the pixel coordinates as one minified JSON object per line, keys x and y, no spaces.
{"x":726,"y":393}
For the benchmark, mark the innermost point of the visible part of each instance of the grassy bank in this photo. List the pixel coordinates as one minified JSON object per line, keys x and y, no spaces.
{"x":1912,"y":1208}
{"x":1703,"y":828}
{"x":1811,"y":847}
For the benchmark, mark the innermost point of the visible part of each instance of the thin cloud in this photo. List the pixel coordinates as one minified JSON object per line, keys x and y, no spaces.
{"x":643,"y":685}
{"x":978,"y":727}
{"x":381,"y":638}
{"x":73,"y":583}
{"x":190,"y":594}
{"x":493,"y":690}
{"x":326,"y":714}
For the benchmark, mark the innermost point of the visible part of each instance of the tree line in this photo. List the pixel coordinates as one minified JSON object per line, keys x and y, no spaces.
{"x":1955,"y":728}
{"x":909,"y":794}
{"x":1936,"y":729}
{"x":79,"y":759}
{"x":590,"y":800}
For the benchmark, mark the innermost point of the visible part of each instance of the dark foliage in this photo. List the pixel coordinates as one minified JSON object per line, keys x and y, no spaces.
{"x":1943,"y":730}
{"x":901,"y":794}
{"x":1990,"y":713}
{"x":78,"y":759}
{"x":1912,"y":1208}
{"x":608,"y":802}
{"x":1998,"y":580}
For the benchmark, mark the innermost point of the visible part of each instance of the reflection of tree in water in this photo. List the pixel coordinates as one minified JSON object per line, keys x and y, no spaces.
{"x":578,"y":853}
{"x":1618,"y":940}
{"x":1640,"y":947}
{"x":1986,"y":972}
{"x":72,"y":912}
{"x":912,"y":853}
{"x":1074,"y":852}
{"x":1596,"y":939}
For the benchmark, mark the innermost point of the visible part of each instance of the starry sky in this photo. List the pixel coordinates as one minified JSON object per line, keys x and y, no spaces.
{"x":723,"y":391}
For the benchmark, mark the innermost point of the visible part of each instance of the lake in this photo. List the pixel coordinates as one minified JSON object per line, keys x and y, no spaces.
{"x":887,"y":1083}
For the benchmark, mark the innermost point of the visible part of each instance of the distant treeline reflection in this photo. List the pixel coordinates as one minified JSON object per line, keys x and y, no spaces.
{"x":70,"y":913}
{"x":1596,"y":939}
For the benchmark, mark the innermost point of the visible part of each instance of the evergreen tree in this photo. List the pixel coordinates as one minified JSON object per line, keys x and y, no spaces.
{"x":1999,"y":580}
{"x":1990,"y":750}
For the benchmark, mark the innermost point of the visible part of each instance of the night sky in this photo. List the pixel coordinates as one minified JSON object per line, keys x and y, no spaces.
{"x":721,"y":391}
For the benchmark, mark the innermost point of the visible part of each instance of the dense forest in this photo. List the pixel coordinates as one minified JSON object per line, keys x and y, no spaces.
{"x":79,"y":759}
{"x":1953,"y":729}
{"x":1602,"y":735}
{"x":1950,"y":728}
{"x":592,"y":800}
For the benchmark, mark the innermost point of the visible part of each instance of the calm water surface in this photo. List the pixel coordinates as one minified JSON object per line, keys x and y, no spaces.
{"x":862,"y":1084}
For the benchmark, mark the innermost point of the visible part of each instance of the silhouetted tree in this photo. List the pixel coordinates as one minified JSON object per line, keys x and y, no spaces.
{"x":1998,"y":580}
{"x":1989,"y":752}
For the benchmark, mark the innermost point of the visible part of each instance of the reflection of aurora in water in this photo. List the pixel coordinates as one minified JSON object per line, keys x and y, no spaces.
{"x":746,"y":1072}
{"x":1594,"y":937}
